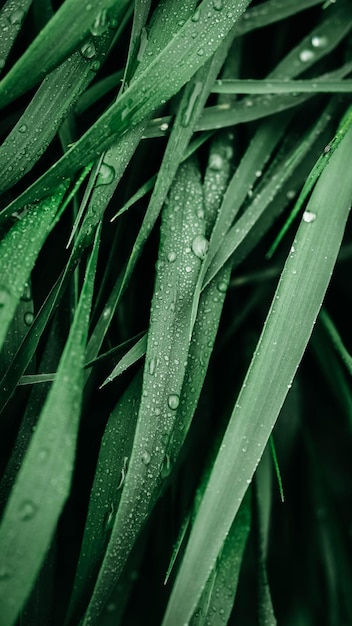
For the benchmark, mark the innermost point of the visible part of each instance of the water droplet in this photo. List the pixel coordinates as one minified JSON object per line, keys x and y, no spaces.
{"x":188,"y":269}
{"x":200,"y":52}
{"x":142,"y":46}
{"x":27,"y":510}
{"x":109,"y":518}
{"x":152,"y":365}
{"x":319,"y":42}
{"x":17,"y":17}
{"x":258,"y":173}
{"x":100,"y":24}
{"x":171,"y":257}
{"x":106,"y":312}
{"x":164,"y":126}
{"x":88,"y":50}
{"x":146,"y":458}
{"x":222,"y":286}
{"x":27,"y":293}
{"x":200,"y":246}
{"x":28,"y":318}
{"x":306,"y":55}
{"x":291,"y":194}
{"x":95,"y":66}
{"x":217,"y":4}
{"x":216,"y":162}
{"x":173,"y":401}
{"x":106,"y":175}
{"x":309,"y":216}
{"x":166,"y":467}
{"x":195,"y":17}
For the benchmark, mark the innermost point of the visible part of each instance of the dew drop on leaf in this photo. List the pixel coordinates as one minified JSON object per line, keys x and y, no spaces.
{"x":88,"y":50}
{"x":171,"y":257}
{"x":23,"y":128}
{"x":17,"y":17}
{"x":200,"y":246}
{"x":173,"y":401}
{"x":306,"y":55}
{"x":309,"y":216}
{"x":100,"y":24}
{"x":146,"y":458}
{"x":106,"y":175}
{"x":319,"y":42}
{"x":28,"y":318}
{"x":27,"y":510}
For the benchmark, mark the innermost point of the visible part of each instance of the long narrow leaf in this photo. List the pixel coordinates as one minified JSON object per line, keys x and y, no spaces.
{"x":285,"y":335}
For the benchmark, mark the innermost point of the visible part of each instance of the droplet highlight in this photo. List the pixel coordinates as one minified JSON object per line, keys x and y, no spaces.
{"x":309,"y":216}
{"x":173,"y":401}
{"x":200,"y":246}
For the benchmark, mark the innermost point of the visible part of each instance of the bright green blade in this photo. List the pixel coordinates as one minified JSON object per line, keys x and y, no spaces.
{"x":153,"y":87}
{"x":18,"y":252}
{"x":12,"y":15}
{"x":43,"y":483}
{"x":282,"y":86}
{"x":294,"y":309}
{"x":182,"y":246}
{"x":106,"y":491}
{"x":68,"y":27}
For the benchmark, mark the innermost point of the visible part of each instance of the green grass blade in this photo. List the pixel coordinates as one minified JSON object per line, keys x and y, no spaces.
{"x":181,"y":248}
{"x":263,"y":494}
{"x":132,"y":356}
{"x":68,"y":27}
{"x":238,"y":233}
{"x":44,"y":115}
{"x":115,"y":451}
{"x":43,"y":483}
{"x":153,"y":87}
{"x":282,"y":86}
{"x":12,"y":15}
{"x":220,"y":591}
{"x":18,"y":252}
{"x":286,"y":333}
{"x":336,"y":340}
{"x":270,"y":12}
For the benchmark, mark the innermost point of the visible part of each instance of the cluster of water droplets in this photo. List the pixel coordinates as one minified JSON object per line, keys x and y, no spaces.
{"x":316,"y":44}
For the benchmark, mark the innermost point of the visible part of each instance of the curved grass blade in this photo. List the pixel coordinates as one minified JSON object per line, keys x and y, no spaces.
{"x":116,"y":159}
{"x":132,"y":356}
{"x":106,"y":491}
{"x":238,"y":233}
{"x":218,"y":597}
{"x":51,"y":104}
{"x":282,"y":86}
{"x":18,"y":252}
{"x":182,"y":245}
{"x":311,"y":180}
{"x":12,"y":15}
{"x":154,"y":86}
{"x":287,"y":330}
{"x":270,"y":12}
{"x":335,"y":339}
{"x":266,"y":616}
{"x":43,"y":483}
{"x":68,"y":27}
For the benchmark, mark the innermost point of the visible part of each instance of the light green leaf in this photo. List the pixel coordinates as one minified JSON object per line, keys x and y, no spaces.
{"x":287,"y":330}
{"x":43,"y":483}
